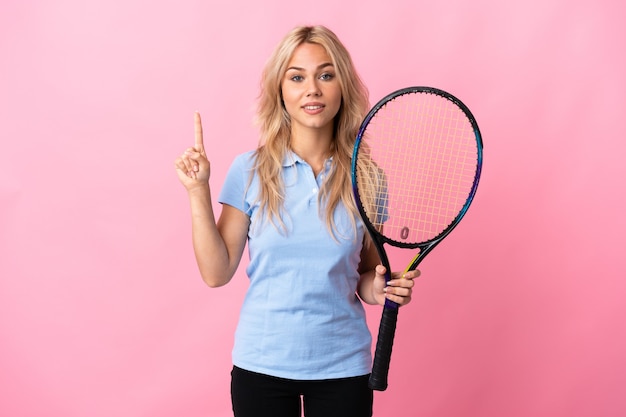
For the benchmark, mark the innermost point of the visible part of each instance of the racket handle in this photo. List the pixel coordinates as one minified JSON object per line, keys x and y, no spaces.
{"x":384,"y":344}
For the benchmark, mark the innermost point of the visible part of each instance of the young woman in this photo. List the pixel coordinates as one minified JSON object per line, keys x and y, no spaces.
{"x":302,"y":338}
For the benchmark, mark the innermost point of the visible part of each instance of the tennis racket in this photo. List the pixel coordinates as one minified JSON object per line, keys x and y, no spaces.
{"x":415,"y":169}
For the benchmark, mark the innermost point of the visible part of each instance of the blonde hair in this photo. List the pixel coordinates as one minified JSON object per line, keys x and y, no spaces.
{"x":275,"y":127}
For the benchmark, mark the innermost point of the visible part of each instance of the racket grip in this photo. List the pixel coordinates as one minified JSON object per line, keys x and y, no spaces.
{"x":384,"y":345}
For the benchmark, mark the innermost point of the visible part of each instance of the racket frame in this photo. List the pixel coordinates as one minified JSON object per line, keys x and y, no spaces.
{"x":382,"y":358}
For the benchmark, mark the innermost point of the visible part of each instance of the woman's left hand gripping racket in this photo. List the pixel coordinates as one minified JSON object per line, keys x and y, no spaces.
{"x":415,"y":169}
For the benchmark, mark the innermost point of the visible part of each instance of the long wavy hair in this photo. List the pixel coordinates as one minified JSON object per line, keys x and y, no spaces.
{"x":275,"y":127}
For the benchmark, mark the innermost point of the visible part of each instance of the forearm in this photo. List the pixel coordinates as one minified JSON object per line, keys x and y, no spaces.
{"x":365,"y":289}
{"x":209,"y":248}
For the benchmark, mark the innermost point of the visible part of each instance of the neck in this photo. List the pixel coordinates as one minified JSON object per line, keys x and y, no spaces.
{"x":313,"y":146}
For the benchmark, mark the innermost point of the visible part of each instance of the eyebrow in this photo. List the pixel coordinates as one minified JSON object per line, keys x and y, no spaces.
{"x":324,"y":65}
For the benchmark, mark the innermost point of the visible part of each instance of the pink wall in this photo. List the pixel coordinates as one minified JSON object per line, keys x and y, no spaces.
{"x":102,"y":311}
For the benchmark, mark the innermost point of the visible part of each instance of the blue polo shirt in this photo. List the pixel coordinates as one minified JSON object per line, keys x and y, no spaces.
{"x":301,"y":317}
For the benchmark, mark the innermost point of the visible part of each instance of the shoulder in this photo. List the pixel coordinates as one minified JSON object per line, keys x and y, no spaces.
{"x":245,"y":159}
{"x":242,"y":164}
{"x":237,"y":181}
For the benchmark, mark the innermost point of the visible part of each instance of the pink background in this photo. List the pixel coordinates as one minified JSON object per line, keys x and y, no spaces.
{"x":102,"y":312}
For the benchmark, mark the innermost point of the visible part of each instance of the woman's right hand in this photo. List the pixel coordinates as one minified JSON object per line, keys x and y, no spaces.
{"x":193,"y":167}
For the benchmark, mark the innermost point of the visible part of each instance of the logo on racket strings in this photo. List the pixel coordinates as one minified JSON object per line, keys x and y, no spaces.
{"x":404,"y":233}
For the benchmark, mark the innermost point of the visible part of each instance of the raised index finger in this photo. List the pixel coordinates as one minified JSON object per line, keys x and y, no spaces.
{"x":198,"y":132}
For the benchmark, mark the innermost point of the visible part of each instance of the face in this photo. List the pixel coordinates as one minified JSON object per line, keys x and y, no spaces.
{"x":310,"y":89}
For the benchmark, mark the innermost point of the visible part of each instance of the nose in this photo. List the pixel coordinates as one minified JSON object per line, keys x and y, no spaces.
{"x":313,"y":88}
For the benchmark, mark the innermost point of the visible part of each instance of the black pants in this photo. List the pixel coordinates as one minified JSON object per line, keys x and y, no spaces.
{"x":258,"y":395}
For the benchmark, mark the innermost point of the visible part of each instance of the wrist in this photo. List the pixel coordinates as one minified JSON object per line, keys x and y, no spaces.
{"x":201,"y":189}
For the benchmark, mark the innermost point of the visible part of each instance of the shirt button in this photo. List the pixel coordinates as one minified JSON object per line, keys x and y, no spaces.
{"x":314,"y":190}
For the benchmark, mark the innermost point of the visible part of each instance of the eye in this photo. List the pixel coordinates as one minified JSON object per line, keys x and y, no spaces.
{"x":296,"y":78}
{"x":327,"y":76}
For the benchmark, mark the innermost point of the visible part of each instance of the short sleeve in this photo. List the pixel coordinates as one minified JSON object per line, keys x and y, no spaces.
{"x":233,"y":191}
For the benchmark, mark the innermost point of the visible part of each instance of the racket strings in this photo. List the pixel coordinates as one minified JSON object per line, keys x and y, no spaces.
{"x":425,"y":153}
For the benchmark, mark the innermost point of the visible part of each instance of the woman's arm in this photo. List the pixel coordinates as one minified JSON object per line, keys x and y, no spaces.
{"x":372,"y":288}
{"x":218,"y":246}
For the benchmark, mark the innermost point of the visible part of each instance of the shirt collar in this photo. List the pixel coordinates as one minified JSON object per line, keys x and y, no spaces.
{"x":291,"y":158}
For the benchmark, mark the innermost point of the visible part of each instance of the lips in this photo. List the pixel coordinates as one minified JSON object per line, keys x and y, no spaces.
{"x":313,"y":108}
